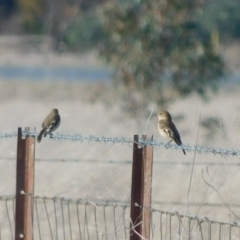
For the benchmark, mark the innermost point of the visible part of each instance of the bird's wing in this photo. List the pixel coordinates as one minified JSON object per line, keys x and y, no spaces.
{"x":175,"y":135}
{"x":163,"y":127}
{"x":53,"y":124}
{"x":170,"y":129}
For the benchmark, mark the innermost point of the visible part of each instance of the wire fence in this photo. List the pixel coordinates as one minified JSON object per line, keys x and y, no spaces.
{"x":129,"y":141}
{"x":86,"y":219}
{"x":126,"y":162}
{"x":62,"y":218}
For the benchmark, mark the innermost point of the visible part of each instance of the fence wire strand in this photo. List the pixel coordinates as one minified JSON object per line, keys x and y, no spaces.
{"x":127,"y":162}
{"x":129,"y":141}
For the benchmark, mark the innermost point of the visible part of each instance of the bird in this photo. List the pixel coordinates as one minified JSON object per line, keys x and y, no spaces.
{"x":50,"y":124}
{"x":168,"y":129}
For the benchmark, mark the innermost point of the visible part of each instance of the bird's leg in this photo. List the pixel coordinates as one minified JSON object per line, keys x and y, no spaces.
{"x":167,"y":144}
{"x":50,"y":135}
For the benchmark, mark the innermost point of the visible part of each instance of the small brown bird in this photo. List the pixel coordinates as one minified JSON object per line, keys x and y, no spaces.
{"x":168,"y":129}
{"x":50,"y":124}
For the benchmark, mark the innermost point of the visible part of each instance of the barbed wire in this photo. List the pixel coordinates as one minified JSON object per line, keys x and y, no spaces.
{"x":8,"y":135}
{"x":125,"y":140}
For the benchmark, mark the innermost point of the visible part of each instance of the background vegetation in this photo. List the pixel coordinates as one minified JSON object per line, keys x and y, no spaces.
{"x":160,"y":50}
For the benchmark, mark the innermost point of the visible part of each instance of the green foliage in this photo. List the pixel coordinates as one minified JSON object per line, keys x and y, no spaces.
{"x":222,"y":15}
{"x":85,"y":33}
{"x":159,"y":44}
{"x":32,"y":12}
{"x":72,"y":22}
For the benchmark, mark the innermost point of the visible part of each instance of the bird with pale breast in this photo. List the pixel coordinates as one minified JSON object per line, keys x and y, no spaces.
{"x":50,"y":124}
{"x":168,"y":129}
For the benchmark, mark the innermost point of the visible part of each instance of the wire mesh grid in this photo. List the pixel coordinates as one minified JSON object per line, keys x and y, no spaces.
{"x":62,"y":218}
{"x":7,"y":210}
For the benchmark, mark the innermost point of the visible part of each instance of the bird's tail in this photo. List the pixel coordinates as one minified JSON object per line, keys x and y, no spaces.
{"x":179,"y":143}
{"x":184,"y":152}
{"x":41,"y":134}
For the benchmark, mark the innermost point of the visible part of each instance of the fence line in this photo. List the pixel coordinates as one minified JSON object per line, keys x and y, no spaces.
{"x":127,"y":162}
{"x":110,"y":203}
{"x":64,"y":218}
{"x":129,"y":141}
{"x":8,"y":135}
{"x":7,"y":197}
{"x":122,"y":203}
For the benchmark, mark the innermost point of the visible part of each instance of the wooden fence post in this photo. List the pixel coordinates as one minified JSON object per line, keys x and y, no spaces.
{"x":24,"y":187}
{"x":141,"y":190}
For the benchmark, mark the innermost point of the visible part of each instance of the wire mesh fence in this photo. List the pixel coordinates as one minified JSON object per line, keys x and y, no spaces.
{"x":91,"y":219}
{"x":7,"y":210}
{"x":59,"y":218}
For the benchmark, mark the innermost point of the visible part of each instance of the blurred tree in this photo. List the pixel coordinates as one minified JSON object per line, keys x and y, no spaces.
{"x":54,"y":17}
{"x":86,"y":33}
{"x":160,"y":46}
{"x":32,"y":12}
{"x":222,"y":16}
{"x":7,"y":7}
